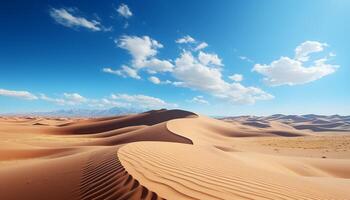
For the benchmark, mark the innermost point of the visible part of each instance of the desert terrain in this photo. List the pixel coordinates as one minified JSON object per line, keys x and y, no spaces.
{"x":175,"y":154}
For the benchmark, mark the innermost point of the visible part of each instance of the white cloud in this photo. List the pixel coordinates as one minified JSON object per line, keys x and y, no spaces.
{"x":201,"y":46}
{"x":246,"y":59}
{"x":58,"y":101}
{"x":126,"y":25}
{"x":192,"y":73}
{"x":209,"y":59}
{"x":125,"y":71}
{"x":332,"y":54}
{"x":236,"y":77}
{"x":155,"y":65}
{"x":304,"y":49}
{"x":18,"y":94}
{"x":154,"y":79}
{"x":185,"y":39}
{"x":140,"y":48}
{"x":143,"y":51}
{"x":115,"y":100}
{"x":199,"y":99}
{"x":66,"y":18}
{"x":199,"y":73}
{"x":143,"y":101}
{"x":288,"y":71}
{"x":67,"y":99}
{"x":74,"y":97}
{"x":106,"y":103}
{"x":124,"y":11}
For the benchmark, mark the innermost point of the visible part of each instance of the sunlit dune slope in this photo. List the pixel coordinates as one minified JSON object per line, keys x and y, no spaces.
{"x":182,"y":171}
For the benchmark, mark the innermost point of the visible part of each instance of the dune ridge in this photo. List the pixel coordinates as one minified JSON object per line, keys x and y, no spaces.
{"x":112,"y":123}
{"x":103,"y":177}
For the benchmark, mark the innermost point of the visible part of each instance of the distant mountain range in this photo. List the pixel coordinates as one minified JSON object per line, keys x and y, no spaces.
{"x":83,"y":112}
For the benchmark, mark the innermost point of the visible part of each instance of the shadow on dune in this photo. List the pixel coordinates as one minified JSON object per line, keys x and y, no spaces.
{"x":285,"y":134}
{"x":111,"y":123}
{"x":157,"y":132}
{"x":257,"y":124}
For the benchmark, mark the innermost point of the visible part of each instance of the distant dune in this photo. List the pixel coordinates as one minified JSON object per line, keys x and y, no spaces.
{"x":318,"y":123}
{"x":175,"y":154}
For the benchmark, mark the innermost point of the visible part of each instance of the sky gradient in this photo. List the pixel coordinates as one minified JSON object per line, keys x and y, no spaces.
{"x":212,"y":57}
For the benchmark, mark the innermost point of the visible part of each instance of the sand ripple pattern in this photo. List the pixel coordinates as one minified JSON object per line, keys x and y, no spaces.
{"x":103,"y":177}
{"x":170,"y":167}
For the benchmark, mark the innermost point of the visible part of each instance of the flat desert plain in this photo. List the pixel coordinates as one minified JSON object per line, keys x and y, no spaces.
{"x":175,"y":154}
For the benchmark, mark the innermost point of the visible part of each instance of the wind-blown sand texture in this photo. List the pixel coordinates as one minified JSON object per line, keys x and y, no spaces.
{"x":175,"y":154}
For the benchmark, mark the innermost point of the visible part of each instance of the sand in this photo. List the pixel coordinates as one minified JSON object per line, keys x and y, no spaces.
{"x":175,"y":154}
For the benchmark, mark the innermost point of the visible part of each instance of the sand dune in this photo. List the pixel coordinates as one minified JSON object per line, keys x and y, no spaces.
{"x":317,"y":123}
{"x":175,"y":154}
{"x":107,"y":124}
{"x":197,"y":172}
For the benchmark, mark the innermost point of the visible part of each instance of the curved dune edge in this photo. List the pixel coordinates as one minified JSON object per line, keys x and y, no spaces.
{"x":182,"y":171}
{"x":205,"y":130}
{"x":157,"y":132}
{"x":93,"y":126}
{"x":103,"y":177}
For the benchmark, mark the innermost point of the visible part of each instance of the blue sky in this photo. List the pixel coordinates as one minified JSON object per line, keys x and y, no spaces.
{"x":212,"y":57}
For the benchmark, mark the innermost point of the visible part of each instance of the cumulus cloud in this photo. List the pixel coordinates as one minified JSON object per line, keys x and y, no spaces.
{"x":58,"y":101}
{"x":201,"y":72}
{"x":193,"y":73}
{"x":18,"y":94}
{"x":140,"y":48}
{"x":236,"y":77}
{"x":185,"y":39}
{"x":245,"y":58}
{"x":303,"y":51}
{"x":74,"y":97}
{"x":124,"y":71}
{"x":201,"y":46}
{"x":188,"y":39}
{"x":114,"y":100}
{"x":66,"y":18}
{"x":143,"y":51}
{"x":209,"y":59}
{"x":332,"y":54}
{"x":139,"y":101}
{"x":288,"y":71}
{"x":155,"y":65}
{"x":199,"y":99}
{"x":66,"y":99}
{"x":124,"y":11}
{"x":107,"y":103}
{"x":144,"y":101}
{"x":154,"y":80}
